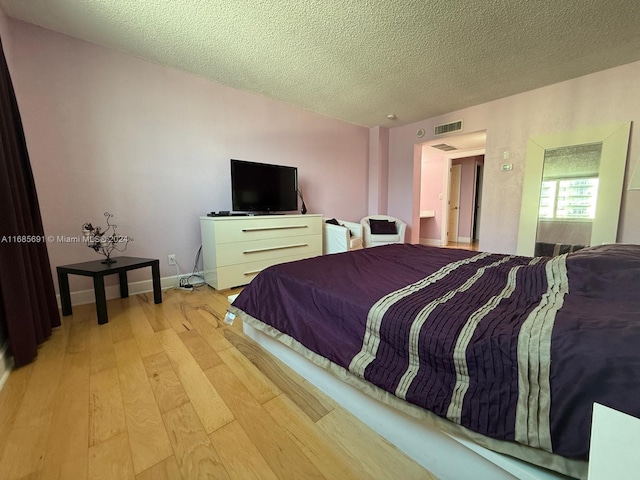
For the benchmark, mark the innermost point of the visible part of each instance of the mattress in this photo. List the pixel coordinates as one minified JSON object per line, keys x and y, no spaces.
{"x":513,"y":348}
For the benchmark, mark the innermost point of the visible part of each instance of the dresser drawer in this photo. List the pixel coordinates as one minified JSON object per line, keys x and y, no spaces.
{"x":266,"y":227}
{"x":236,"y":249}
{"x":257,"y":250}
{"x":242,"y":274}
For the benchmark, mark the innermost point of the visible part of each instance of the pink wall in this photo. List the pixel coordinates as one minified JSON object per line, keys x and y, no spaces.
{"x":150,"y":144}
{"x":605,"y":97}
{"x":378,"y":170}
{"x":432,"y":173}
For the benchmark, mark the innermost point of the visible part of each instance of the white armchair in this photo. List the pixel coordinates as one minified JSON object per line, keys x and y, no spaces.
{"x":341,"y":238}
{"x":384,"y":234}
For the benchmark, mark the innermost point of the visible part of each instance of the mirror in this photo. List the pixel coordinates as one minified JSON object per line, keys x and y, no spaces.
{"x":572,"y":189}
{"x":568,"y":196}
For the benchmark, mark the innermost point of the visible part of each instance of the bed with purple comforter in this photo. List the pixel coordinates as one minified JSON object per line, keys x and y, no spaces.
{"x":514,"y":348}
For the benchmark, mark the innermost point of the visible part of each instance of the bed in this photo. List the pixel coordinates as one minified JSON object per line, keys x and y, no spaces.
{"x":509,"y":352}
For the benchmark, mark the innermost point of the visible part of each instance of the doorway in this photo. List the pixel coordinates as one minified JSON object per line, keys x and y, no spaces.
{"x":464,"y":200}
{"x":432,"y":188}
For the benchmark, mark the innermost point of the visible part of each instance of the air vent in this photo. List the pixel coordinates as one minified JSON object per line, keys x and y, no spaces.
{"x":448,"y":128}
{"x":444,"y":147}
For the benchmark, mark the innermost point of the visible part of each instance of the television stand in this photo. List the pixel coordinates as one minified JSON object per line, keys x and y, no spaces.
{"x":226,"y":214}
{"x":236,"y":249}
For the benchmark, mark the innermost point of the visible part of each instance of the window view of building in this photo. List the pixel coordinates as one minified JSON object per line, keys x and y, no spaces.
{"x":568,"y":198}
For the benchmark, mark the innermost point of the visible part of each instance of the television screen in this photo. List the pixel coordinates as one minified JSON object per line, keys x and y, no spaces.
{"x":261,"y":187}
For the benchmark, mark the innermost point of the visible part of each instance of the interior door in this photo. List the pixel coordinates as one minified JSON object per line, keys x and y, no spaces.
{"x":454,"y":203}
{"x":475,"y":233}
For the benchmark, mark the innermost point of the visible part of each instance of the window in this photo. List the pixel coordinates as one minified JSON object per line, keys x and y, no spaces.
{"x":568,"y":198}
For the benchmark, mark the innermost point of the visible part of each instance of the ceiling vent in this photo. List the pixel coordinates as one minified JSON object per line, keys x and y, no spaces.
{"x":444,"y":147}
{"x":448,"y":128}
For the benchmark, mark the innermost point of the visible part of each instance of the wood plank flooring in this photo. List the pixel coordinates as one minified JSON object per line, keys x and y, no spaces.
{"x":473,"y":246}
{"x":170,"y":392}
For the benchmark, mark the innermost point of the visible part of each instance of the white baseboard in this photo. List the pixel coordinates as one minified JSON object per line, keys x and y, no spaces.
{"x":431,"y":242}
{"x":6,"y":363}
{"x":83,"y":297}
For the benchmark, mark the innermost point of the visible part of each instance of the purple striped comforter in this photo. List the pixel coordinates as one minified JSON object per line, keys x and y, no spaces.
{"x":514,"y":348}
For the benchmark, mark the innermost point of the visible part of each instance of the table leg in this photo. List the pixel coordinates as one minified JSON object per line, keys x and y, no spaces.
{"x":65,"y":295}
{"x":155,"y":274}
{"x":101,"y":299}
{"x":124,"y":285}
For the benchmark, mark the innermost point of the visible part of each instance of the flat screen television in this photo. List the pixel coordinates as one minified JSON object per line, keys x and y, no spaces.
{"x":263,"y":188}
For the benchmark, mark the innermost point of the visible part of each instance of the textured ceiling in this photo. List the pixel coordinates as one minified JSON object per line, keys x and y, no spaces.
{"x":360,"y":60}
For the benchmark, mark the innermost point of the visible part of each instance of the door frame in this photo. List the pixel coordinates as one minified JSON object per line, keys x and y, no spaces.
{"x":445,"y":188}
{"x":454,"y":218}
{"x":477,"y":201}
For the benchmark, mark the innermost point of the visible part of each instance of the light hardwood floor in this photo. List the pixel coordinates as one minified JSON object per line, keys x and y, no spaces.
{"x":170,"y":392}
{"x":463,"y":245}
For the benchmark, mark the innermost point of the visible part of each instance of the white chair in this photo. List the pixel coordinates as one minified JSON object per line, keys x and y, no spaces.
{"x":383,"y":234}
{"x":341,"y":238}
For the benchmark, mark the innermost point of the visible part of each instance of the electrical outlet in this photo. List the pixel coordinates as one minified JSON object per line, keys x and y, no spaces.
{"x":171,"y":259}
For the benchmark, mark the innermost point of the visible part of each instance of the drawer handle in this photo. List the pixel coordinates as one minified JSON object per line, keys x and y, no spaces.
{"x":278,"y":227}
{"x":252,"y":272}
{"x":280,"y":247}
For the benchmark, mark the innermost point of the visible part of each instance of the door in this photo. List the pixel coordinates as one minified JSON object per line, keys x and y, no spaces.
{"x":454,"y":203}
{"x":475,"y":234}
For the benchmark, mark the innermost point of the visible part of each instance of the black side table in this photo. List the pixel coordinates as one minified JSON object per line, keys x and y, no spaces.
{"x":97,"y":270}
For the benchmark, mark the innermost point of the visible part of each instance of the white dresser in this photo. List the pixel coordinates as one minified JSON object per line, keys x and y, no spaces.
{"x":236,"y":249}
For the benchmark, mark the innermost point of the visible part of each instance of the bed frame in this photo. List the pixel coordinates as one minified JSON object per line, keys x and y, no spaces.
{"x":445,"y":455}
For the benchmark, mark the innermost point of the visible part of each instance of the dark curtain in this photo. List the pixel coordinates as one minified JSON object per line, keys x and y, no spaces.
{"x":27,"y":296}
